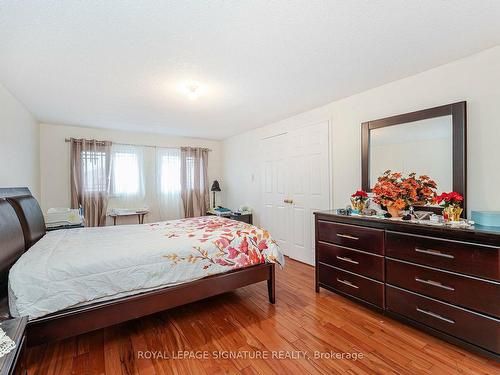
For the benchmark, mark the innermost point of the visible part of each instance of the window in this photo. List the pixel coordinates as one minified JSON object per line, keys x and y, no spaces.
{"x":94,"y":171}
{"x":192,"y":165}
{"x":126,"y":171}
{"x":168,"y":183}
{"x":169,"y":171}
{"x":190,"y":172}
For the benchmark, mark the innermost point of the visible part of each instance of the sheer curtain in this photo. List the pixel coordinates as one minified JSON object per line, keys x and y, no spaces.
{"x":168,"y":184}
{"x":194,"y":181}
{"x":127,"y":177}
{"x":90,"y":171}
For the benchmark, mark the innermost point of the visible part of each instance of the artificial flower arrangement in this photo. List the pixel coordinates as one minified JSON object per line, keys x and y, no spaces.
{"x":396,"y":192}
{"x":358,"y":201}
{"x":452,"y":205}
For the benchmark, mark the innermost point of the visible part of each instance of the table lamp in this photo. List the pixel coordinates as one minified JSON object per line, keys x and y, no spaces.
{"x":215,"y":187}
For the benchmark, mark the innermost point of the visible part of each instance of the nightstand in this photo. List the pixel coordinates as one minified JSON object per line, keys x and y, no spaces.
{"x":14,"y":363}
{"x":246,"y":218}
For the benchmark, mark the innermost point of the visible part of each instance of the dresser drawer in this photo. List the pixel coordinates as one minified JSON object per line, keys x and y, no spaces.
{"x":474,"y":294}
{"x":366,"y":239}
{"x":356,"y":261}
{"x":461,"y":323}
{"x":352,"y":284}
{"x":471,"y":259}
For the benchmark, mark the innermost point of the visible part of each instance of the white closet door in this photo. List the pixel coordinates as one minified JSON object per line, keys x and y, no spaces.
{"x":309,"y":186}
{"x":296,"y":182}
{"x":275,"y":183}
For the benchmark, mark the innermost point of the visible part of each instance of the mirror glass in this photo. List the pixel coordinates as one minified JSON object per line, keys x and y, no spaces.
{"x":423,"y":147}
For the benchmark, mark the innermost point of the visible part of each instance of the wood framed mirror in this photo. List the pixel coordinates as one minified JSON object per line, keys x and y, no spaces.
{"x":431,"y":141}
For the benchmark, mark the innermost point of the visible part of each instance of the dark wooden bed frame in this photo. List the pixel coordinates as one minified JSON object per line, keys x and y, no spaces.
{"x":20,"y":228}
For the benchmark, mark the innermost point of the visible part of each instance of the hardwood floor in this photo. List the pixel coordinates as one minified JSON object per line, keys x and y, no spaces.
{"x":243,"y":323}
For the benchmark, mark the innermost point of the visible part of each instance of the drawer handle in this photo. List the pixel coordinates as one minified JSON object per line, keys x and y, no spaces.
{"x":348,"y":260}
{"x":434,"y":283}
{"x":347,"y":283}
{"x":434,"y":252}
{"x":434,"y":315}
{"x":347,"y":236}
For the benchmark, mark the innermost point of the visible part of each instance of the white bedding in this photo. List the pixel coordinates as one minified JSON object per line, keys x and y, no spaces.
{"x":68,"y":268}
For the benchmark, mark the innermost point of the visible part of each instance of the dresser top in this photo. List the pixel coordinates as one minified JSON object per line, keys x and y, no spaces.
{"x":476,"y":233}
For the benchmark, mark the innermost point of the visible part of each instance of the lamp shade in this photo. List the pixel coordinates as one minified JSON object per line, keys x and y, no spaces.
{"x":215,"y":186}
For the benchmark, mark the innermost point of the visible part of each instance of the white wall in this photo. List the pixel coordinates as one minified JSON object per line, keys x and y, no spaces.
{"x":475,"y":79}
{"x":19,"y":147}
{"x":54,"y":156}
{"x":432,"y":157}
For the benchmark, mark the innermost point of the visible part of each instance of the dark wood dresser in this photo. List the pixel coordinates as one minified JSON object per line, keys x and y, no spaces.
{"x":445,"y":281}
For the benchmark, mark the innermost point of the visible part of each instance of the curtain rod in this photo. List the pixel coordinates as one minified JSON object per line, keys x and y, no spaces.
{"x":67,"y":140}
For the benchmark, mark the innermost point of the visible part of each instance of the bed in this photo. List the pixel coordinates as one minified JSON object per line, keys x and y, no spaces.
{"x":73,"y":281}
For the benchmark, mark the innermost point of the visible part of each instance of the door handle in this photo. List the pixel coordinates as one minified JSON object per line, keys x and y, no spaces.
{"x":434,"y":315}
{"x":345,"y":282}
{"x":288,"y":201}
{"x":345,"y":259}
{"x":347,"y":236}
{"x":434,"y":252}
{"x":434,"y":283}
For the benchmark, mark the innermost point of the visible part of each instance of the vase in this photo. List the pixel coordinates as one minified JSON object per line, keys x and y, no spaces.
{"x":357,"y":206}
{"x":395,"y":212}
{"x":452,"y":213}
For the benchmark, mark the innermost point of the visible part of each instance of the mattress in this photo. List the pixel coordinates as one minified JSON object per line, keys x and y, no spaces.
{"x":76,"y":267}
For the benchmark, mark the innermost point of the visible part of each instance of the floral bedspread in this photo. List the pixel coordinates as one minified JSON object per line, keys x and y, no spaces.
{"x":223,"y":242}
{"x":76,"y":267}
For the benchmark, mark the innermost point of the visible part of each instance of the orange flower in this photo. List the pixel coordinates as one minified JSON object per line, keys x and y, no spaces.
{"x":399,"y":203}
{"x":392,"y":189}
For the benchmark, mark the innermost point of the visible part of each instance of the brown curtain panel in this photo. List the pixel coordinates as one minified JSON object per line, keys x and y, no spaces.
{"x":194,"y":181}
{"x":90,"y":164}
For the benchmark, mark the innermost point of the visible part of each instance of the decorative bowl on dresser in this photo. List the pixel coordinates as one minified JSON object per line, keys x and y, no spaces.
{"x":445,"y":281}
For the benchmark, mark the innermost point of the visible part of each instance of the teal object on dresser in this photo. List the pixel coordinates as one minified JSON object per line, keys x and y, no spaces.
{"x":486,"y":218}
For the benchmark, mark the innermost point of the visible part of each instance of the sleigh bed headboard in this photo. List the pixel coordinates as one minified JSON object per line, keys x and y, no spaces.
{"x":21,"y":225}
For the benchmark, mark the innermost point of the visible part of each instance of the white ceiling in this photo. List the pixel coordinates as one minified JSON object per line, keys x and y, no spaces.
{"x":117,"y":64}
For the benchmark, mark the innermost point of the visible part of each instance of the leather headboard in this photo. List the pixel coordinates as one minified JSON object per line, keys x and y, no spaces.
{"x":31,"y":218}
{"x":11,"y":247}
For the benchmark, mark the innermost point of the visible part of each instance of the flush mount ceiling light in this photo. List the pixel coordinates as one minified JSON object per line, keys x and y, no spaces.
{"x":192,"y":89}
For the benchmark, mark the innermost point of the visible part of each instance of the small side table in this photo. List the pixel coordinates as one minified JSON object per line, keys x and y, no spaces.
{"x":140,"y":215}
{"x":15,"y":361}
{"x":246,"y":218}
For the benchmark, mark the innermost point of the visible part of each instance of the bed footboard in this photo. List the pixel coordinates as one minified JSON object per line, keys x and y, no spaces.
{"x":271,"y":285}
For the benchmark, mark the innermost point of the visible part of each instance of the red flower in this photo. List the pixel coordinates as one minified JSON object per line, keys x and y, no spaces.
{"x":244,"y":246}
{"x":254,"y":257}
{"x":262,"y":245}
{"x":360,"y":193}
{"x":233,"y":253}
{"x":452,"y":198}
{"x":222,"y":262}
